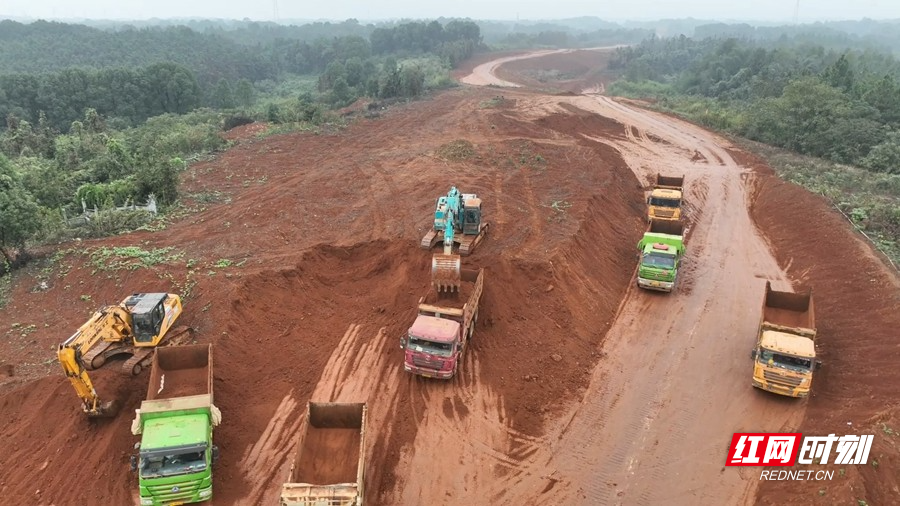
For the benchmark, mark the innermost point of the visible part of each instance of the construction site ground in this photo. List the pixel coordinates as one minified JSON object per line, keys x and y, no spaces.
{"x":301,"y":264}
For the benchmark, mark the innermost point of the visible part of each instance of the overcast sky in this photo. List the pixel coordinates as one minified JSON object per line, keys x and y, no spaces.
{"x":613,"y":10}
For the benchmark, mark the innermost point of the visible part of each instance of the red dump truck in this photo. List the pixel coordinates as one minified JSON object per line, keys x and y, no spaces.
{"x":444,"y":323}
{"x":329,"y":468}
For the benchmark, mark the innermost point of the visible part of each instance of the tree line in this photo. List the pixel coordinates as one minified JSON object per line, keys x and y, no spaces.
{"x":843,"y":106}
{"x":106,"y":128}
{"x":118,"y":75}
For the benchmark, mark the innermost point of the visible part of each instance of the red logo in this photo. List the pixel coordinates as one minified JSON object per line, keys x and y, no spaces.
{"x":761,"y":449}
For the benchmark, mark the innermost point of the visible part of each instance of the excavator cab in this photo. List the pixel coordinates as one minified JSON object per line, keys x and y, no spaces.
{"x":472,"y":216}
{"x":147,"y":314}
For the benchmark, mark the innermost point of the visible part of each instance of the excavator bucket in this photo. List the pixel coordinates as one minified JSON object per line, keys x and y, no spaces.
{"x":103,"y":410}
{"x":445,"y":272}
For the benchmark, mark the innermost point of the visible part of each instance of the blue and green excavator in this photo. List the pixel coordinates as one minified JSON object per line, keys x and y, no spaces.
{"x":457,"y":221}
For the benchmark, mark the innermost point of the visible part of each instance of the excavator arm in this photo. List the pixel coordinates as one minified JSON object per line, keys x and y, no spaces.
{"x":109,"y":324}
{"x":446,"y":267}
{"x":77,"y":374}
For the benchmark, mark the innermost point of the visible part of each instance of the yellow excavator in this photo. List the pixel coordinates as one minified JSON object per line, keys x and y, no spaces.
{"x":134,"y":327}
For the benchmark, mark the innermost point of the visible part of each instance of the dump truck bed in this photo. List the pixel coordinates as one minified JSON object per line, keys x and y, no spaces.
{"x":181,"y":371}
{"x":674,"y":182}
{"x":788,"y":310}
{"x":328,"y":466}
{"x":668,"y":227}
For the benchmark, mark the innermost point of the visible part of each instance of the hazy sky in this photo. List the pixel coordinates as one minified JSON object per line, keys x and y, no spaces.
{"x":614,"y":10}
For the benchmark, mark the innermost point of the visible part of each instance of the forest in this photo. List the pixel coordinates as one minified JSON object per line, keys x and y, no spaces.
{"x":98,"y":118}
{"x":839,"y":106}
{"x":104,"y":115}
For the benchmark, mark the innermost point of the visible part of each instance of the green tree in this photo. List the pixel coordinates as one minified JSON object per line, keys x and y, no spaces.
{"x":160,"y":178}
{"x":19,"y":213}
{"x":412,"y":81}
{"x":244,"y":94}
{"x":223,"y":98}
{"x":885,"y":157}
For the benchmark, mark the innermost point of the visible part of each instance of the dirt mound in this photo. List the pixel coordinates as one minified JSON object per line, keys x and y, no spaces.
{"x":856,"y":300}
{"x":51,"y":449}
{"x":307,"y":252}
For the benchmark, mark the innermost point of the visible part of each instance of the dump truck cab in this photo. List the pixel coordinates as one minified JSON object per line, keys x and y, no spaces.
{"x":175,"y":422}
{"x":175,"y":455}
{"x":443,"y":326}
{"x":433,"y":347}
{"x":664,"y":202}
{"x":660,"y":249}
{"x":659,"y":265}
{"x":784,"y":358}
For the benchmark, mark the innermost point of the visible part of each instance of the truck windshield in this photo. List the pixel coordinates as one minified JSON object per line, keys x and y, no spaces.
{"x":785,"y":361}
{"x":656,"y":201}
{"x":442,"y":349}
{"x":156,"y":466}
{"x":661,"y":261}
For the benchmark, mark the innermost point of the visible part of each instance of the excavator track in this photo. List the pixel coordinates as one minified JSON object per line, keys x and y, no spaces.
{"x":468,"y":243}
{"x":141,"y":357}
{"x":430,"y":239}
{"x":96,"y":357}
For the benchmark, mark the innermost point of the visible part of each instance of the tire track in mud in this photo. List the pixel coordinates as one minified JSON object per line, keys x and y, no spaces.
{"x":472,"y":431}
{"x":268,"y":460}
{"x":646,"y":399}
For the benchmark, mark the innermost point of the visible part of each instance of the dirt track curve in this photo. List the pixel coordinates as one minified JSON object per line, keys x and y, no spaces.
{"x":578,"y":388}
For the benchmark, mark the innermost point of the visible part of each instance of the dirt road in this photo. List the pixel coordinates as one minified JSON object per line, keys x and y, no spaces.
{"x":300,"y":263}
{"x":672,"y":385}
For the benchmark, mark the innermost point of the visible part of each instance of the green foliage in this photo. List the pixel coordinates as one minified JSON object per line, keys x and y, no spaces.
{"x":223,"y":97}
{"x":19,"y":213}
{"x":172,"y":135}
{"x":885,"y":157}
{"x":104,"y":195}
{"x":130,"y":257}
{"x":244,"y":94}
{"x":870,"y":200}
{"x":832,"y":105}
{"x":109,"y":117}
{"x":160,"y":178}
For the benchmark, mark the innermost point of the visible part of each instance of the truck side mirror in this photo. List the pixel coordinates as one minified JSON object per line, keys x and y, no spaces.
{"x":215,"y":453}
{"x":753,"y":354}
{"x":133,"y":463}
{"x":818,"y":364}
{"x":402,"y":342}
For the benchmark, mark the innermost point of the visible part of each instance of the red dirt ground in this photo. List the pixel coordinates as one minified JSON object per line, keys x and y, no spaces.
{"x":327,"y":227}
{"x":296,"y":237}
{"x":857,"y":300}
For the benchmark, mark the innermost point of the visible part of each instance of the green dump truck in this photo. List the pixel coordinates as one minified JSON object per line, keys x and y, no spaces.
{"x":660,"y":249}
{"x":329,"y":468}
{"x":175,"y":422}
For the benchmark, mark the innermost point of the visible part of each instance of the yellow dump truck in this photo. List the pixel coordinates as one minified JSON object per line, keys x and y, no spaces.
{"x":664,"y":202}
{"x":329,"y":467}
{"x":785,"y":355}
